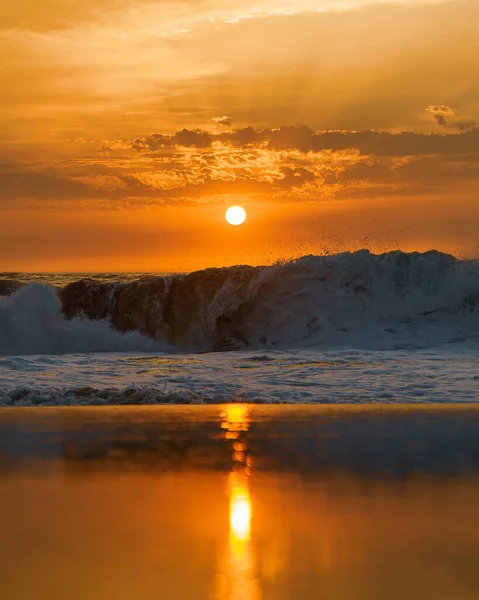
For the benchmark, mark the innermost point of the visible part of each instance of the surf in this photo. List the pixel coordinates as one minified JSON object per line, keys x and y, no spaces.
{"x":355,"y":299}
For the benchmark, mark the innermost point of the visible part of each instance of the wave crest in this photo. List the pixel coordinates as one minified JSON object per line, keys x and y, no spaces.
{"x":358,"y":299}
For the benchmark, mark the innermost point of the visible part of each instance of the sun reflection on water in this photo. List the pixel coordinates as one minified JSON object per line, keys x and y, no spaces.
{"x":237,"y":580}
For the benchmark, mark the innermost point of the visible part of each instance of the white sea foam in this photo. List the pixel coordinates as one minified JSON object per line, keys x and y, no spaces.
{"x":362,"y":300}
{"x":31,"y":323}
{"x":446,"y":374}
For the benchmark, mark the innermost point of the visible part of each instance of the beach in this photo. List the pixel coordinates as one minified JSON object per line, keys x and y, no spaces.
{"x":240,"y":501}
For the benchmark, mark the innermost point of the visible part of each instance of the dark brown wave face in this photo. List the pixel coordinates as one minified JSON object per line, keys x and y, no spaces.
{"x":183,"y":310}
{"x":9,"y":286}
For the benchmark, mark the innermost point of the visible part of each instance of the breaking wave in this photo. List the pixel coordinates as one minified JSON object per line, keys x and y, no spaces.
{"x":351,"y":299}
{"x":31,"y":322}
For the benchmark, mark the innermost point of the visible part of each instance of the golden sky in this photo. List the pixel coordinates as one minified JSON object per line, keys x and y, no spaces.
{"x":127,"y":127}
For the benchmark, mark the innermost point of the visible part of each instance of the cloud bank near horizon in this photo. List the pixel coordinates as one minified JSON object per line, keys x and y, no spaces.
{"x":288,"y":164}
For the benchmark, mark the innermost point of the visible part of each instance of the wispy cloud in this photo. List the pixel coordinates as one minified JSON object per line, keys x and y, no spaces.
{"x":164,"y":17}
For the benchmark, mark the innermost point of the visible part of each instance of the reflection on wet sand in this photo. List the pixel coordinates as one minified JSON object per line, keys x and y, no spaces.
{"x":240,"y":510}
{"x":255,"y":503}
{"x":237,"y":580}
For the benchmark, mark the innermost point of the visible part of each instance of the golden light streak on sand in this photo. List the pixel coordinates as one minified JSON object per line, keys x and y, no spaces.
{"x":237,"y":579}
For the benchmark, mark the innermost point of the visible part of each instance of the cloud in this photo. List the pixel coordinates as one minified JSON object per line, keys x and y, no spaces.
{"x":61,"y":14}
{"x":291,"y":163}
{"x":379,"y":143}
{"x":462,"y":126}
{"x":304,"y":139}
{"x":441,"y":113}
{"x":40,"y":185}
{"x":186,"y":138}
{"x":224,"y":121}
{"x":115,"y":72}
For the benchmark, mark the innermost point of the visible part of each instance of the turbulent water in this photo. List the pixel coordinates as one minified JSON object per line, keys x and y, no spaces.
{"x":360,"y":302}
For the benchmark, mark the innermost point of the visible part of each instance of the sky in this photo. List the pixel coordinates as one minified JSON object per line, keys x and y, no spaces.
{"x":128,"y":127}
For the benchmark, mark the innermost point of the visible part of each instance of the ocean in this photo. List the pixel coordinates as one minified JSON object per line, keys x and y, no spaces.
{"x":346,"y":328}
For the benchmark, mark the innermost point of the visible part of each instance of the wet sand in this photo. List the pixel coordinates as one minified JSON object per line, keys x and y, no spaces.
{"x":240,"y":502}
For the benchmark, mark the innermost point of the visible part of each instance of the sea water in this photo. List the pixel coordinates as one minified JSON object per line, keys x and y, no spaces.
{"x":353,"y":327}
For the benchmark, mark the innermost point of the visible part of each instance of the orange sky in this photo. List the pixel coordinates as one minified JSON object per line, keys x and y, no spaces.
{"x":127,"y":128}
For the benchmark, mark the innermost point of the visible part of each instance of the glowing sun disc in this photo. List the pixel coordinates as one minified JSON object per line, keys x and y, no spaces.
{"x":235,"y":215}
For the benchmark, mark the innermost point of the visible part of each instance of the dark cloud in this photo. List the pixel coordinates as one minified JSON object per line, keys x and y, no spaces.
{"x":376,"y":173}
{"x":190,"y":138}
{"x":40,"y":185}
{"x":224,"y":120}
{"x":195,"y":139}
{"x":374,"y":142}
{"x":433,"y":170}
{"x":462,"y":126}
{"x":304,"y":139}
{"x":441,"y":113}
{"x":186,"y":137}
{"x":248,"y":136}
{"x":419,"y":176}
{"x":294,"y":178}
{"x":152,"y":142}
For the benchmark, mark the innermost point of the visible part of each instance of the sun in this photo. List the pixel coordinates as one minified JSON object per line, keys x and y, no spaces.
{"x":235,"y":215}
